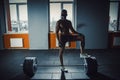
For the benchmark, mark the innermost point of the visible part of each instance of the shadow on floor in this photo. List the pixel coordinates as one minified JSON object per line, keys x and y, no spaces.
{"x":20,"y":77}
{"x":99,"y":76}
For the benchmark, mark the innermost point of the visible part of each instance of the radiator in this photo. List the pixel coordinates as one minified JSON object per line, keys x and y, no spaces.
{"x":16,"y":42}
{"x":116,"y":41}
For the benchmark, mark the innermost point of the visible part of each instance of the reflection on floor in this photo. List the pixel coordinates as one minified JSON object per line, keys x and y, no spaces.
{"x":52,"y":70}
{"x":56,"y":73}
{"x":48,"y":60}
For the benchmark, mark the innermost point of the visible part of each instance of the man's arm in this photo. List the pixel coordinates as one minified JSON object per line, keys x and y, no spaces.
{"x":57,"y":30}
{"x":72,"y":29}
{"x":58,"y":35}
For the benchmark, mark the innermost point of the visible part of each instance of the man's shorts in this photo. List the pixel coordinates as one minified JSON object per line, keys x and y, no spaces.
{"x":68,"y":38}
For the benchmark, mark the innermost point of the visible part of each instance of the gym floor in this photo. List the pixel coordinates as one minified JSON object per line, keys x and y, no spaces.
{"x":48,"y":60}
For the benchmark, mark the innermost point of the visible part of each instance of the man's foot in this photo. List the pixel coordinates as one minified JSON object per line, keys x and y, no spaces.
{"x":64,"y":70}
{"x":84,"y":55}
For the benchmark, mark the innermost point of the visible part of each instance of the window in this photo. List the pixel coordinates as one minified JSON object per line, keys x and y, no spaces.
{"x":18,"y":16}
{"x":55,"y":11}
{"x":114,"y":15}
{"x":114,"y":24}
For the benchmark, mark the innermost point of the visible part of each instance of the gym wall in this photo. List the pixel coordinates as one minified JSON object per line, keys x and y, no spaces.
{"x":38,"y":23}
{"x":2,"y":23}
{"x":92,"y":21}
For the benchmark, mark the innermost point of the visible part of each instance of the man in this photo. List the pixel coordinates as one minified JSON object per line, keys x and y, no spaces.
{"x":65,"y":33}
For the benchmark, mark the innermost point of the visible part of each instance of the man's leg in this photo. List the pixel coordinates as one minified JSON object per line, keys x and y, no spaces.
{"x":61,"y":49}
{"x":80,"y":37}
{"x":61,"y":58}
{"x":61,"y":55}
{"x":82,"y":47}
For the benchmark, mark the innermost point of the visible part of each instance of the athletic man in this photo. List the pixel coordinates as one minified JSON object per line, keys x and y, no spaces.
{"x":66,"y":33}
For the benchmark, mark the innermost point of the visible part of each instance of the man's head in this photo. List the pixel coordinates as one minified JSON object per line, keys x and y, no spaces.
{"x":64,"y":13}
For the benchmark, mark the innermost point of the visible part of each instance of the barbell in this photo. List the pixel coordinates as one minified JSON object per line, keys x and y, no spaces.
{"x":30,"y":65}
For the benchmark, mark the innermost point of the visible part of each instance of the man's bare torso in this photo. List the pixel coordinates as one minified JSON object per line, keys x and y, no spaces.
{"x":64,"y":26}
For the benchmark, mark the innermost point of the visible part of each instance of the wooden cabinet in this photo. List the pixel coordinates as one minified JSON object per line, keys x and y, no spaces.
{"x":53,"y":42}
{"x":114,"y":39}
{"x":21,"y":41}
